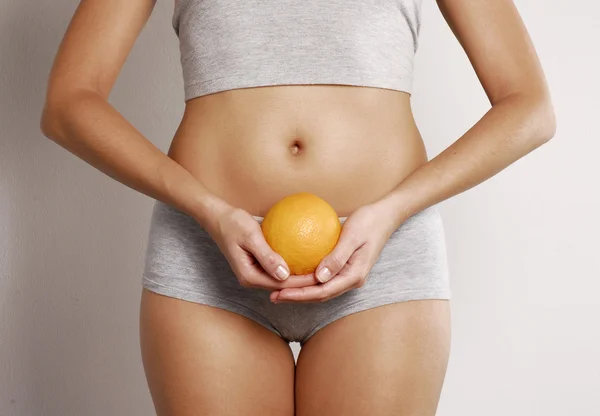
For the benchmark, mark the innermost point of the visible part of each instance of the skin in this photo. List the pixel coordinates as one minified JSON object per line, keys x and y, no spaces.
{"x":220,"y":169}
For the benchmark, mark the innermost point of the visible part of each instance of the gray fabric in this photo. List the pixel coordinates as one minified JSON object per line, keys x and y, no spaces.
{"x":182,"y":261}
{"x":229,"y":44}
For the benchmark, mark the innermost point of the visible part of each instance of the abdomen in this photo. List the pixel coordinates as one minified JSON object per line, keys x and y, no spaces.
{"x":252,"y":147}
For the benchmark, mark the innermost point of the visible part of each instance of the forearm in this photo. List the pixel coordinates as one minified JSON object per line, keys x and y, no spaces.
{"x":86,"y":125}
{"x":512,"y":128}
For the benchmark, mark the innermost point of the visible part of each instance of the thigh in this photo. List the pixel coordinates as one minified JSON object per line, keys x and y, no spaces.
{"x":388,"y":360}
{"x":202,"y":360}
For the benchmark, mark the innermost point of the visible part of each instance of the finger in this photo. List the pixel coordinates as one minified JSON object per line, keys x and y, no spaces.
{"x":297,"y":280}
{"x":292,"y":282}
{"x":337,"y":259}
{"x":251,"y":274}
{"x":270,"y":261}
{"x":257,"y":278}
{"x":265,"y":281}
{"x":351,"y":276}
{"x":341,"y":283}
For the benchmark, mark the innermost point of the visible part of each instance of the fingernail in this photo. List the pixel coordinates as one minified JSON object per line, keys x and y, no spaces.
{"x":323,"y":275}
{"x":282,"y":273}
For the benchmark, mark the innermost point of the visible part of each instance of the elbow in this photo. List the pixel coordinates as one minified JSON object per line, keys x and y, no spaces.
{"x":58,"y":107}
{"x":60,"y":101}
{"x":535,"y":120}
{"x":62,"y":106}
{"x":49,"y":121}
{"x":547,"y":122}
{"x":542,"y":121}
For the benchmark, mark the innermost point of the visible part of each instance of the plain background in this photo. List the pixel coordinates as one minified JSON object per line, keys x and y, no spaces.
{"x":523,"y":247}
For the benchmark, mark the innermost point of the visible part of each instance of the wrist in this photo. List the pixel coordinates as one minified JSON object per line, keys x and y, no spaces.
{"x":206,"y":208}
{"x":396,"y":208}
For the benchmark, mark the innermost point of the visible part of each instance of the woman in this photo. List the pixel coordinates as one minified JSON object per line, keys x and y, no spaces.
{"x":285,"y":97}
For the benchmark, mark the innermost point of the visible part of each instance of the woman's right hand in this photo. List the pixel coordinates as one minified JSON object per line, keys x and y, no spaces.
{"x":255,"y":264}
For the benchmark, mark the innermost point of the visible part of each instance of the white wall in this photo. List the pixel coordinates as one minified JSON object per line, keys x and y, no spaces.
{"x":523,"y":247}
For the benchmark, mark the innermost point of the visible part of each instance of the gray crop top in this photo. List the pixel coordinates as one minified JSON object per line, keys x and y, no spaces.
{"x":229,"y":44}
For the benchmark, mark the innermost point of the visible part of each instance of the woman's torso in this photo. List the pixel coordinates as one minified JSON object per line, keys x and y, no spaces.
{"x":251,"y":147}
{"x":251,"y":139}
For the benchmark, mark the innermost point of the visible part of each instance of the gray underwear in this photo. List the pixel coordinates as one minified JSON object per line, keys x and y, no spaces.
{"x":182,"y":261}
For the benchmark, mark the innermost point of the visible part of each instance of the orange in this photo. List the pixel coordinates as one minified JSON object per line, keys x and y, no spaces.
{"x":302,"y":228}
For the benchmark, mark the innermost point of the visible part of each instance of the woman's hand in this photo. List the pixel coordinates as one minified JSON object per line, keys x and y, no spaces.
{"x":363,"y":236}
{"x":255,"y":264}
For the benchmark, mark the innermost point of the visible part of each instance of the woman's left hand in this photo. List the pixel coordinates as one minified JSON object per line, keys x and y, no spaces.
{"x":363,"y":236}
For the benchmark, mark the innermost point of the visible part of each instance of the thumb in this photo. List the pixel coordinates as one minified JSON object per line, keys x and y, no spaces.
{"x":272,"y":262}
{"x":335,"y":261}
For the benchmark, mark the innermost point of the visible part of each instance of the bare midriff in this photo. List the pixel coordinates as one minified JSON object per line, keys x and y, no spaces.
{"x":253,"y":146}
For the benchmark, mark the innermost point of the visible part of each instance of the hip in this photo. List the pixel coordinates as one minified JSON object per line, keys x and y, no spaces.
{"x":183,"y":261}
{"x":181,"y":253}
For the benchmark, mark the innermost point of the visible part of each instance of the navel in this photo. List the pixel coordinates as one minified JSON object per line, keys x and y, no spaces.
{"x":296,"y":148}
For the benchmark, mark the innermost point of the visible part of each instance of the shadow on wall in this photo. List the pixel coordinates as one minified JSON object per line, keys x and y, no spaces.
{"x":71,"y":243}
